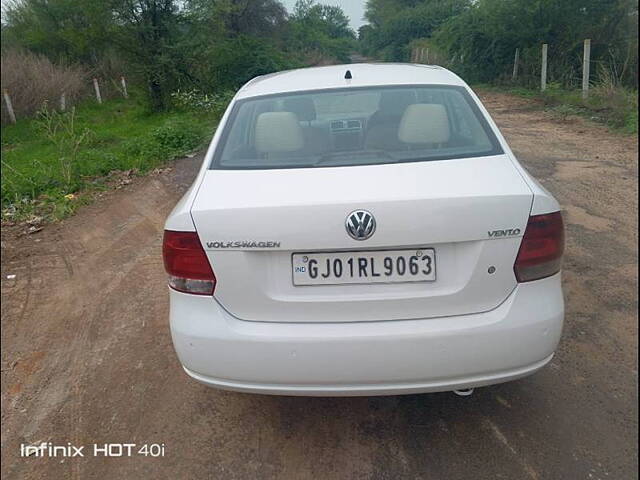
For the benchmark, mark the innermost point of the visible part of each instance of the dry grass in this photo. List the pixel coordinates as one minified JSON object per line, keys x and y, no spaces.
{"x":32,"y":80}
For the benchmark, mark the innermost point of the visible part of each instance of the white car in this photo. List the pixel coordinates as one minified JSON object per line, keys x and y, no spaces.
{"x":362,"y":230}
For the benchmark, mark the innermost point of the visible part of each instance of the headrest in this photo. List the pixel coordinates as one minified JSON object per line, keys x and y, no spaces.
{"x":278,"y":132}
{"x":424,"y":123}
{"x":395,"y":102}
{"x":303,"y":107}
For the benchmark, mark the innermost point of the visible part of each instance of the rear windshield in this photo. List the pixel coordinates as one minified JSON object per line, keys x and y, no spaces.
{"x":348,"y":127}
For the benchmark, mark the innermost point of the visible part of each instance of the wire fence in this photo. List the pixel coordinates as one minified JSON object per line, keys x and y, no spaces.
{"x":30,"y":81}
{"x":547,"y":65}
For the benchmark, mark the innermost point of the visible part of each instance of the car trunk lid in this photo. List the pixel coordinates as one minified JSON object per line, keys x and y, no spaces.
{"x":472,"y":212}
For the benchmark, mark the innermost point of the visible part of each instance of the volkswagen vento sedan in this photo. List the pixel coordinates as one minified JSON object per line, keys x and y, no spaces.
{"x":362,"y":230}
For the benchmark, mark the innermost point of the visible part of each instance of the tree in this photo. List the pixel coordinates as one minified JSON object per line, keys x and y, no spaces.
{"x":327,"y":19}
{"x":63,"y":30}
{"x":321,"y":29}
{"x":230,"y":41}
{"x":395,"y":23}
{"x":239,"y":17}
{"x":147,"y":33}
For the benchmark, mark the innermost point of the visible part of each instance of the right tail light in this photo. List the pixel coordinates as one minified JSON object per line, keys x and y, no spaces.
{"x":542,"y":246}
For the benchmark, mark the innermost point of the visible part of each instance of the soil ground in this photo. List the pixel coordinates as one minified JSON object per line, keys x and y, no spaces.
{"x":87,"y":356}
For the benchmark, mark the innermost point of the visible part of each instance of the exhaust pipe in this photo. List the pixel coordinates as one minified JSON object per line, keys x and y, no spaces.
{"x":465,"y":392}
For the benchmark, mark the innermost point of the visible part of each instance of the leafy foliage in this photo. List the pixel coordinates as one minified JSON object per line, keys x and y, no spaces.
{"x":395,"y":23}
{"x":227,"y":64}
{"x":209,"y":45}
{"x":63,"y":30}
{"x":478,"y":38}
{"x":147,"y":33}
{"x":320,"y":31}
{"x":488,"y":33}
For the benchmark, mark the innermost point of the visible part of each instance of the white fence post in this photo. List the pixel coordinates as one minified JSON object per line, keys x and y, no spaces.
{"x":63,"y":102}
{"x":123,"y":82}
{"x":543,"y":72}
{"x":7,"y":102}
{"x":96,"y":87}
{"x":585,"y":68}
{"x":515,"y":64}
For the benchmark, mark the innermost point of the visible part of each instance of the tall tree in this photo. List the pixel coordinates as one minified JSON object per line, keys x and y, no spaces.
{"x":147,"y":32}
{"x":322,"y":29}
{"x":239,"y":17}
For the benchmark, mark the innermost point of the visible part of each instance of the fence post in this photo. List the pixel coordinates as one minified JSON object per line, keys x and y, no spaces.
{"x":543,"y":72}
{"x":422,"y":55}
{"x":63,"y":102}
{"x":515,"y":64}
{"x":96,"y":87}
{"x":585,"y":68}
{"x":123,"y":82}
{"x":7,"y":101}
{"x":427,"y":55}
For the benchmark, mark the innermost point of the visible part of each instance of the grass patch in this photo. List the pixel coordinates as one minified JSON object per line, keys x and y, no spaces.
{"x":615,"y":107}
{"x":47,"y":161}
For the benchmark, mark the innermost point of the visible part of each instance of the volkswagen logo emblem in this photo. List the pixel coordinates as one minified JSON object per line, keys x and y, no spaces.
{"x":360,"y":224}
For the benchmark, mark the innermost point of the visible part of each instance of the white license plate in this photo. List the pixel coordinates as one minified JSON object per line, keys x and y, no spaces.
{"x":379,"y":266}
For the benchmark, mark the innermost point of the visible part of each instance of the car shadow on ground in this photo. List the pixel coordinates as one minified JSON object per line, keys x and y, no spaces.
{"x":398,"y":435}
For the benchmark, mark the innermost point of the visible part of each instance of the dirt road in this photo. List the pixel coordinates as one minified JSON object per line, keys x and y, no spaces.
{"x":87,"y":356}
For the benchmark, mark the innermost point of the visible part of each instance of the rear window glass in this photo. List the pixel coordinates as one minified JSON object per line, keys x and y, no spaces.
{"x":348,"y":127}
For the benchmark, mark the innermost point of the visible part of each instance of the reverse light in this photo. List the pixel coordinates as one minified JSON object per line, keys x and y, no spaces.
{"x":541,"y":249}
{"x":186,"y":263}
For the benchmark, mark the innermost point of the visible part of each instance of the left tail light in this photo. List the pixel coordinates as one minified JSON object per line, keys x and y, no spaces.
{"x":186,"y":263}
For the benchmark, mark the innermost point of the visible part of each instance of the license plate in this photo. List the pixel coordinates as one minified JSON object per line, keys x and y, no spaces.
{"x":379,"y":266}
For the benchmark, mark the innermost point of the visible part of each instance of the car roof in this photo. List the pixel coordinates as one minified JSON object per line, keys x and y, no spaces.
{"x":363,"y":75}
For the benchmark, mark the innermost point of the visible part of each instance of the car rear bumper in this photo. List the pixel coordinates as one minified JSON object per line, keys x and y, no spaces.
{"x":369,"y":358}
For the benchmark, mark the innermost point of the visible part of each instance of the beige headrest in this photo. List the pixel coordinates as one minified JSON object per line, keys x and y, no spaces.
{"x":278,"y":132}
{"x":424,"y":123}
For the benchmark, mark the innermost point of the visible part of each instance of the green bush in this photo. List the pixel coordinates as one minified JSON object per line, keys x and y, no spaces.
{"x":230,"y":62}
{"x":176,"y":137}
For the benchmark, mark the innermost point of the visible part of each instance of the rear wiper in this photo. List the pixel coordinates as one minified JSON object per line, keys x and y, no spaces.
{"x":362,"y":153}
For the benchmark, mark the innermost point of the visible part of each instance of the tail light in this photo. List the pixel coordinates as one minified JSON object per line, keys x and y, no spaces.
{"x":541,"y":249}
{"x":187,"y":264}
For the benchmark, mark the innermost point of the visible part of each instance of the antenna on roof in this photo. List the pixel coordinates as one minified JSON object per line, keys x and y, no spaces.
{"x":348,"y":75}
